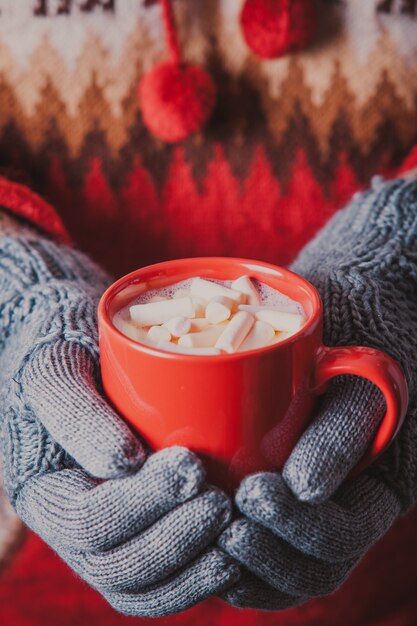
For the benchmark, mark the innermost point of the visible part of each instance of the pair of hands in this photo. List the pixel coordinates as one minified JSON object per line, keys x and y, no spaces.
{"x":144,"y":529}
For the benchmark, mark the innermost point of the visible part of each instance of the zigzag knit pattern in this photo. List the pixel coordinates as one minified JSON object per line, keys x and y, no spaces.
{"x":293,"y":137}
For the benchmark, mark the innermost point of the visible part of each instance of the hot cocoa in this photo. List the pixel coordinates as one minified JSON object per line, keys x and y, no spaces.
{"x":209,"y":317}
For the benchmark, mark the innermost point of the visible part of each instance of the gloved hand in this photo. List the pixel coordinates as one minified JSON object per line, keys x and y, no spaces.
{"x":137,"y":530}
{"x":302,"y":532}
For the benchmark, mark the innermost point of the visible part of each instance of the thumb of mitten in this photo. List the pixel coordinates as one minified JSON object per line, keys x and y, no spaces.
{"x":59,"y":383}
{"x":336,"y":440}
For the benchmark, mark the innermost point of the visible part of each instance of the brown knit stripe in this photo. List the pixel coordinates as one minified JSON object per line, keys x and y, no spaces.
{"x":383,"y":128}
{"x":246,"y":107}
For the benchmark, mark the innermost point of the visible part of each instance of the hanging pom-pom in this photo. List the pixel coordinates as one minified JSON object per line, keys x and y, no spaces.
{"x":273,"y":28}
{"x":176,"y":99}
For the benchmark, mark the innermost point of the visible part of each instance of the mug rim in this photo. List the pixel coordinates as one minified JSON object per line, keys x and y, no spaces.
{"x":124,"y":281}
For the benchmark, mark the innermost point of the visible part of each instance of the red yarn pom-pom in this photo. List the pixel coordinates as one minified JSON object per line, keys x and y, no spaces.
{"x":274,"y":27}
{"x":176,"y":99}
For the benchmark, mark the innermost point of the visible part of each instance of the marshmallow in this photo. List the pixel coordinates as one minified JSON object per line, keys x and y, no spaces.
{"x":172,"y":347}
{"x":261,"y":335}
{"x":177,"y":326}
{"x":154,"y":313}
{"x":198,"y":324}
{"x":235,"y":332}
{"x":219,"y":309}
{"x":246,"y":286}
{"x":251,"y":308}
{"x":281,"y":336}
{"x":288,"y":322}
{"x":289,"y":307}
{"x":204,"y":339}
{"x":128,"y":329}
{"x":158,"y":333}
{"x":199,"y":307}
{"x":207,"y":290}
{"x":195,"y":320}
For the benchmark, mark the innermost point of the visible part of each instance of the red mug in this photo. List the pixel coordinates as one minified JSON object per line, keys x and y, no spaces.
{"x":241,"y":412}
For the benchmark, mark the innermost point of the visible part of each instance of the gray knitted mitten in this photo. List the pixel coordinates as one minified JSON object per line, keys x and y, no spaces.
{"x":302,"y":532}
{"x":140,"y":531}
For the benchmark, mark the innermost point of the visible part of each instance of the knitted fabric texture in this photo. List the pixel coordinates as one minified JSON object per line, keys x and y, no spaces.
{"x":302,"y":532}
{"x":364,"y":266}
{"x":11,"y":527}
{"x":140,"y":531}
{"x":288,"y":143}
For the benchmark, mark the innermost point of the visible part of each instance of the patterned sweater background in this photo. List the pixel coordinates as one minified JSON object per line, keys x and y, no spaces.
{"x":289,"y":142}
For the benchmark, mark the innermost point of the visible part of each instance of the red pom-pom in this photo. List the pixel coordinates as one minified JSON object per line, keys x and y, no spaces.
{"x":274,"y":27}
{"x":176,"y":99}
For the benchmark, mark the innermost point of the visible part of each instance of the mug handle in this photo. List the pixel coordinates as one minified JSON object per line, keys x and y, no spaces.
{"x":381,"y":370}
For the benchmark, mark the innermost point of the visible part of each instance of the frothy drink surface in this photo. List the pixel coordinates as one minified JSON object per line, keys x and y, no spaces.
{"x":269,"y":297}
{"x":194,"y":316}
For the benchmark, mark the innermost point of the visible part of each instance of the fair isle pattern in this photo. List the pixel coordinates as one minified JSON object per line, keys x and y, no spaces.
{"x":293,"y":136}
{"x":99,"y":57}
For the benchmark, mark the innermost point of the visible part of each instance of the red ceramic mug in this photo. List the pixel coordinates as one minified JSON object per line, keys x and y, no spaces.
{"x":241,"y":412}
